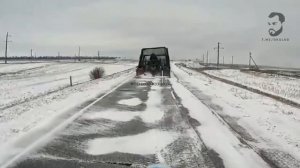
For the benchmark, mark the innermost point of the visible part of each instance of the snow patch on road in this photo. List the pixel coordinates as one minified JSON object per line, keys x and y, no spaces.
{"x":153,"y":111}
{"x":130,"y":102}
{"x":111,"y":115}
{"x":149,"y":142}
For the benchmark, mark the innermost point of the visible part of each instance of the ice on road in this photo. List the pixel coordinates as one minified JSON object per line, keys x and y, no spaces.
{"x":130,"y":102}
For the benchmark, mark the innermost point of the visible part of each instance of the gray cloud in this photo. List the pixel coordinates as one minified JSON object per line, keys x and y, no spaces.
{"x":121,"y":28}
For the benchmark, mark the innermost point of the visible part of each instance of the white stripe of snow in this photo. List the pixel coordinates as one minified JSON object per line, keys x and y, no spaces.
{"x":130,"y":102}
{"x":149,"y":142}
{"x":112,"y":115}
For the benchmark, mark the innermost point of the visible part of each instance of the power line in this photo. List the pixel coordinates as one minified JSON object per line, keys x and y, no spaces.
{"x":6,"y":41}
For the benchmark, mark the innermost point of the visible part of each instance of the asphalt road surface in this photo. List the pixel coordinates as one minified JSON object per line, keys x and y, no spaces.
{"x":70,"y":146}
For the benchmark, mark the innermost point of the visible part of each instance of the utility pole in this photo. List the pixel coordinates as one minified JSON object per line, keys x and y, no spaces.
{"x":6,"y":41}
{"x":31,"y":55}
{"x":218,"y":59}
{"x":231,"y":60}
{"x":58,"y":54}
{"x":203,"y":58}
{"x":98,"y":54}
{"x":218,"y":54}
{"x":207,"y":58}
{"x":249,"y":60}
{"x":79,"y":53}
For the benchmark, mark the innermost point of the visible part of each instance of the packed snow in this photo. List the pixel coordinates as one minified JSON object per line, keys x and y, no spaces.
{"x":153,"y":111}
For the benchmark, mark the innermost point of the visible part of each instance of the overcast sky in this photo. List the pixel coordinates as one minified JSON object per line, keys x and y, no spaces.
{"x":121,"y":28}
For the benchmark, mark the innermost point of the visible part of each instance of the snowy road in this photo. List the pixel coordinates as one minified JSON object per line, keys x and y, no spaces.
{"x":188,"y":121}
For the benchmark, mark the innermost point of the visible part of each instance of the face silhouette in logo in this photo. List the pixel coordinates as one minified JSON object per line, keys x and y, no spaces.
{"x":275,"y":23}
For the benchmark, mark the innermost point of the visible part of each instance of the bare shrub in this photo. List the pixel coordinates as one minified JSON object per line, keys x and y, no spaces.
{"x":97,"y":73}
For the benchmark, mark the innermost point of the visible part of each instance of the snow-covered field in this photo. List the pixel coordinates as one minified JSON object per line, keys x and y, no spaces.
{"x":35,"y":79}
{"x":286,"y":87}
{"x":17,"y":67}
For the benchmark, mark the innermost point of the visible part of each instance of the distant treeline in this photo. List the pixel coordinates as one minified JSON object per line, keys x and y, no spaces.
{"x":57,"y":58}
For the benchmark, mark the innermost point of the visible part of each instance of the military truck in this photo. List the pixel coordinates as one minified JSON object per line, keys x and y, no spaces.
{"x":155,"y":61}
